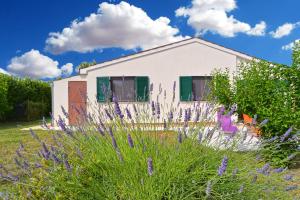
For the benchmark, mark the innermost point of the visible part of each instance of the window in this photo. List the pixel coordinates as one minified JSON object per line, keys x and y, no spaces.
{"x":194,"y":88}
{"x":126,"y":89}
{"x":123,"y":88}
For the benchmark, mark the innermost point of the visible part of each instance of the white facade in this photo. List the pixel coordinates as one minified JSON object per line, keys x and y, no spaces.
{"x":163,"y":66}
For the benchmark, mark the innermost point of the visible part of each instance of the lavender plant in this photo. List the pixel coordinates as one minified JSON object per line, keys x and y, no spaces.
{"x":144,"y":156}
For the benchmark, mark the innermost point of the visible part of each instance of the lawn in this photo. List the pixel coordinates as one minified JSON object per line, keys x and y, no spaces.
{"x":11,"y":135}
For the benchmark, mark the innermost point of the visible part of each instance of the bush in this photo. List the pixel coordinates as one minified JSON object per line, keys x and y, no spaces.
{"x":127,"y":159}
{"x":271,"y":92}
{"x":18,"y":92}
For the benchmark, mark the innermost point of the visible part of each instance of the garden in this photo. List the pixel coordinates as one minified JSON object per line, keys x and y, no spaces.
{"x":160,"y":151}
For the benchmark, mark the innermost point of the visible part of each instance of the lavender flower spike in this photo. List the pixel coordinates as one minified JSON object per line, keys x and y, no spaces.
{"x":130,"y":141}
{"x":128,"y":113}
{"x":286,"y":134}
{"x":264,"y":122}
{"x":150,"y":166}
{"x":117,"y":108}
{"x":179,"y":137}
{"x":291,"y":187}
{"x":208,"y":188}
{"x":67,"y":165}
{"x":153,"y":108}
{"x":223,"y":166}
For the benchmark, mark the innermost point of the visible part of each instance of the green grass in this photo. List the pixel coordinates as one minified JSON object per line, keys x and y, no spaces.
{"x":10,"y":137}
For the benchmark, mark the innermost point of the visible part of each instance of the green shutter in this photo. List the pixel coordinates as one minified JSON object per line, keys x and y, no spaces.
{"x":142,"y":88}
{"x":103,"y":89}
{"x":186,"y":84}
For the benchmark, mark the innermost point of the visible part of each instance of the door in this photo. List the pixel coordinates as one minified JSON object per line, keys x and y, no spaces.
{"x":77,"y":102}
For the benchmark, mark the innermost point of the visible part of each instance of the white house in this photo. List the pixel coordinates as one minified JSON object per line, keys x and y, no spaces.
{"x":188,"y":62}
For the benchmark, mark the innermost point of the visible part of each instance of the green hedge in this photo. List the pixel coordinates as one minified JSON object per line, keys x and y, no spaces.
{"x":23,"y":99}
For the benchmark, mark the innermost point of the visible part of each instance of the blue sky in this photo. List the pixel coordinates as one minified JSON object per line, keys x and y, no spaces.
{"x":29,"y":49}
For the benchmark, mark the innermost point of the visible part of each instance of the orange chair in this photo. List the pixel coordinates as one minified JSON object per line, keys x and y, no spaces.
{"x":248,"y":121}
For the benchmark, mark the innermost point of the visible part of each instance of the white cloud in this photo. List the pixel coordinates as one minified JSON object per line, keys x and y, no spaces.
{"x":289,"y":46}
{"x":283,"y":30}
{"x":35,"y":65}
{"x":121,"y":25}
{"x":3,"y":71}
{"x":259,"y":29}
{"x":67,"y":69}
{"x":212,"y":16}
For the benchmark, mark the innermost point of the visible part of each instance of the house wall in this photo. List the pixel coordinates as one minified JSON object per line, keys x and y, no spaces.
{"x":162,"y":68}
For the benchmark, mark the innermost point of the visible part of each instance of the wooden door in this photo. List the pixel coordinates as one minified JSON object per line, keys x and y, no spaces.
{"x":77,"y":102}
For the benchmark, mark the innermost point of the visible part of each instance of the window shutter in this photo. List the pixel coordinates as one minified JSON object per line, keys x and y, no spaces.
{"x":142,"y":88}
{"x":186,"y":84}
{"x":103,"y":89}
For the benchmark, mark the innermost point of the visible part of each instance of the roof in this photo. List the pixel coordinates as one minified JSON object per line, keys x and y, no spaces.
{"x":167,"y":47}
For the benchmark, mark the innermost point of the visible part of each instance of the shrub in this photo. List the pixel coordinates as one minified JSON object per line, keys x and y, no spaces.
{"x":130,"y":157}
{"x":18,"y":92}
{"x":271,"y":92}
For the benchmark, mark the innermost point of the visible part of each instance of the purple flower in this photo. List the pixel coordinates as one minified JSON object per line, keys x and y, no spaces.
{"x":100,"y":131}
{"x":151,"y":87}
{"x":170,"y":118}
{"x":150,"y":166}
{"x":17,"y":162}
{"x":64,"y":112}
{"x":233,"y":109}
{"x":264,"y":170}
{"x":179,"y":137}
{"x":208,"y":188}
{"x":189,"y":114}
{"x":254,"y":178}
{"x":279,"y":170}
{"x":200,"y":135}
{"x":186,"y":115}
{"x":117,"y":108}
{"x":264,"y":122}
{"x":291,"y":187}
{"x":180,"y":113}
{"x":197,"y":116}
{"x":291,"y":157}
{"x":67,"y":165}
{"x":153,"y":108}
{"x":288,"y":177}
{"x":12,"y":177}
{"x":158,"y":110}
{"x":273,"y":139}
{"x":55,"y":159}
{"x":108,"y":114}
{"x":128,"y":113}
{"x":135,"y":110}
{"x":165,"y":125}
{"x":35,"y":136}
{"x":37,"y":165}
{"x":241,"y":189}
{"x":18,"y":153}
{"x":223,"y":166}
{"x":113,"y":138}
{"x":130,"y":141}
{"x":286,"y":134}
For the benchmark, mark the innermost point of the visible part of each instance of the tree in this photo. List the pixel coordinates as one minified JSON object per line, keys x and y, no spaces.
{"x":85,"y":65}
{"x":296,"y":54}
